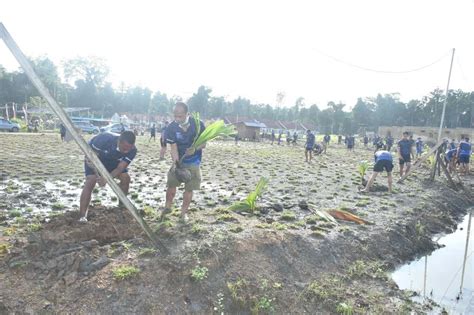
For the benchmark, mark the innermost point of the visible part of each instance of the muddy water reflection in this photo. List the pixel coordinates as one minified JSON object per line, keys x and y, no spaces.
{"x":439,"y":275}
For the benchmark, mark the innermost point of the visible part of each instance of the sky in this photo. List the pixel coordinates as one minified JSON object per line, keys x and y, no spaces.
{"x":256,"y":49}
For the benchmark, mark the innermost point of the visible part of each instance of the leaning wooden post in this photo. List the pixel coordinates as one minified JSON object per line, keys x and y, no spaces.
{"x":446,"y":172}
{"x":20,"y":57}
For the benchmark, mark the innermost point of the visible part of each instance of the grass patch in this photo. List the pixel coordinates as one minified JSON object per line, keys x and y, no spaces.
{"x":146,"y":252}
{"x":125,"y":272}
{"x":288,"y":216}
{"x":57,"y":206}
{"x":199,"y":273}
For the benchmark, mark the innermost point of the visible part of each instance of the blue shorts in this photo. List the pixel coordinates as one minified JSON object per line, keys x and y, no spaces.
{"x":109,"y":165}
{"x":464,"y":158}
{"x":309,"y":148}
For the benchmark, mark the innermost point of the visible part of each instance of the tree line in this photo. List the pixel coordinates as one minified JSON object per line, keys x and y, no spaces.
{"x":85,"y":84}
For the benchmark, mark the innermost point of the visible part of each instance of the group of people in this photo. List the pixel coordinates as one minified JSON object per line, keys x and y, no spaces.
{"x":289,"y":138}
{"x":406,"y":148}
{"x":116,"y":152}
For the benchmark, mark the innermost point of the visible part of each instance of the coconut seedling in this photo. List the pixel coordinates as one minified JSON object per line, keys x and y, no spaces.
{"x":249,"y":204}
{"x":362,"y":169}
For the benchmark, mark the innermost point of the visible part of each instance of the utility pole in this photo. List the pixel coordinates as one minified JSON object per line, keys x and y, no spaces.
{"x":446,"y":98}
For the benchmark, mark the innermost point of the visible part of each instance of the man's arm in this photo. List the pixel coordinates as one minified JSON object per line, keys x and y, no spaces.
{"x":119,"y":169}
{"x":174,"y":152}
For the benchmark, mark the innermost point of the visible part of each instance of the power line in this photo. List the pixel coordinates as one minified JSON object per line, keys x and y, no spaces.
{"x":382,"y":71}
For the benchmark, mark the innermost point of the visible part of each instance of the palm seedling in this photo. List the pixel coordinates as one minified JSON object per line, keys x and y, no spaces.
{"x":362,"y":169}
{"x":250,"y":203}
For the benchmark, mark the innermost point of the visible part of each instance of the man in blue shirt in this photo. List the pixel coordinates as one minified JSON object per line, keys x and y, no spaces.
{"x":464,"y":153}
{"x":180,"y":134}
{"x":152,"y":133}
{"x":116,"y":152}
{"x":404,"y":153}
{"x":383,"y":161}
{"x":310,"y":139}
{"x":389,"y":141}
{"x":350,"y":142}
{"x":366,"y":141}
{"x":450,"y":158}
{"x":452,"y":144}
{"x":419,"y":147}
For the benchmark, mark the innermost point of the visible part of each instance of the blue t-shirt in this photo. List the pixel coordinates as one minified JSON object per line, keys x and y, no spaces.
{"x":184,"y":140}
{"x":310,"y":140}
{"x":419,"y":145}
{"x":464,"y":148}
{"x":106,"y":145}
{"x":383,"y":156}
{"x":405,"y":146}
{"x":450,"y":153}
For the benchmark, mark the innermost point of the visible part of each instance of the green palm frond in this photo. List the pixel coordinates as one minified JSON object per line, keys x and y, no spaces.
{"x":214,"y":130}
{"x":250,"y":203}
{"x":362,"y":168}
{"x":197,"y":122}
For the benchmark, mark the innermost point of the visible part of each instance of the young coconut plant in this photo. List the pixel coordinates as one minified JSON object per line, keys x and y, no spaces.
{"x":362,"y":169}
{"x":214,"y":130}
{"x":249,"y":204}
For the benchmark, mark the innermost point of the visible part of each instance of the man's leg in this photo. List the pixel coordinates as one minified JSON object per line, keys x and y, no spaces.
{"x":407,"y":168}
{"x":170,"y":194}
{"x":187,"y":198}
{"x":370,"y":182}
{"x":86,"y":194}
{"x":401,"y":170}
{"x":310,"y":155}
{"x":389,"y":178}
{"x":124,"y":182}
{"x":306,"y":154}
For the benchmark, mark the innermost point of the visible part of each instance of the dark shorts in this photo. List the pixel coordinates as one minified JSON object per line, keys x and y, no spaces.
{"x":406,"y":159}
{"x":109,"y":165}
{"x":350,"y":146}
{"x":383,"y":164}
{"x":309,"y":148}
{"x":464,"y":158}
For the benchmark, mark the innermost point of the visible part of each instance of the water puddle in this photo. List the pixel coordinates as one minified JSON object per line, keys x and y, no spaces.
{"x":439,"y":276}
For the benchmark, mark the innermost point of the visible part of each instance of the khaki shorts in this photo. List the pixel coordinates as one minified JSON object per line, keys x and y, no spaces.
{"x":193,"y":184}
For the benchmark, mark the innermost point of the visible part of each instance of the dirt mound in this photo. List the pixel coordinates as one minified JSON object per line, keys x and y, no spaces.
{"x":105,"y":226}
{"x":65,"y":250}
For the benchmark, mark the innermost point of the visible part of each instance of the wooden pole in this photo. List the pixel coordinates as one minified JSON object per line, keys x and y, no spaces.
{"x":59,"y":111}
{"x":446,"y":98}
{"x":445,"y":170}
{"x":466,"y":250}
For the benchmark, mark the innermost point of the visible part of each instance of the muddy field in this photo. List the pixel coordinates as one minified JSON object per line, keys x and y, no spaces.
{"x":281,"y":259}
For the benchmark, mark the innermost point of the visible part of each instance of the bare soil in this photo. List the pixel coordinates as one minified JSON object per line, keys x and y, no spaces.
{"x":271,"y":261}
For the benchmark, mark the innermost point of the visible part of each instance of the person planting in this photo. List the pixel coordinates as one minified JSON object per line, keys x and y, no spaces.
{"x":383,"y":161}
{"x":116,"y":152}
{"x":187,"y":136}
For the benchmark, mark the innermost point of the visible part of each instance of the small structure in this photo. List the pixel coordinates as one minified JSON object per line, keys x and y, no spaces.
{"x":249,"y":130}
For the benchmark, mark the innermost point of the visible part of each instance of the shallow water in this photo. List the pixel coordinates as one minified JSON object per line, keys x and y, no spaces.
{"x":443,"y":272}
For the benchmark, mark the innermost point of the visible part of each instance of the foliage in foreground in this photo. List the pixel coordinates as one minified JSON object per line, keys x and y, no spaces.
{"x":125,"y":272}
{"x":250,"y":203}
